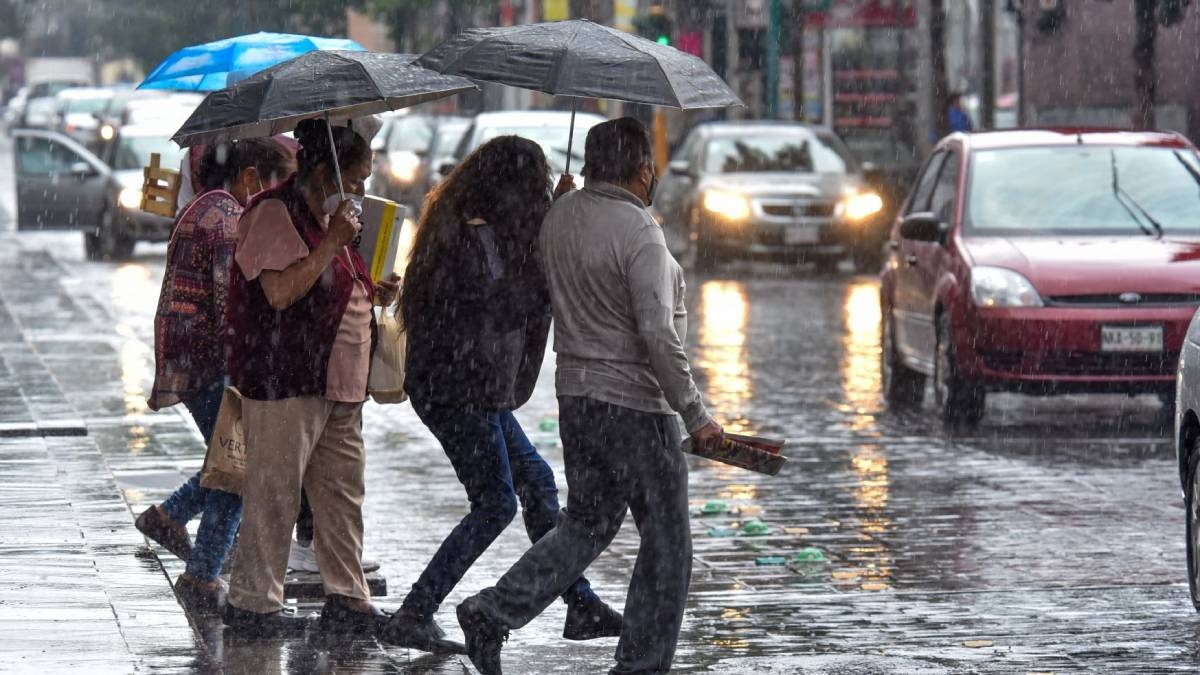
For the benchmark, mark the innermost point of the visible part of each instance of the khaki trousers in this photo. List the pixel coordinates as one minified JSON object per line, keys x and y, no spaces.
{"x":316,"y":443}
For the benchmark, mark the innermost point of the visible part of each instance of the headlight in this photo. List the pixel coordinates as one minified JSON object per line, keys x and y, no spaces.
{"x":726,"y":204}
{"x":107,"y":132}
{"x":859,"y":206}
{"x":404,"y":166}
{"x":131,"y":198}
{"x":999,"y":287}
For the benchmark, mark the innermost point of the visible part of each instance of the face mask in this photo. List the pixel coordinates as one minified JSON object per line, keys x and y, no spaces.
{"x":334,"y":200}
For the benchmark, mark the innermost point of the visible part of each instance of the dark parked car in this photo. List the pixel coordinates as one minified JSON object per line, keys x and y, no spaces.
{"x":771,"y":190}
{"x":62,"y":185}
{"x":1042,"y":262}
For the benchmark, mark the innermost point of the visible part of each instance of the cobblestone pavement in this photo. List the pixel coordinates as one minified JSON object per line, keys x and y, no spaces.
{"x":1050,"y":540}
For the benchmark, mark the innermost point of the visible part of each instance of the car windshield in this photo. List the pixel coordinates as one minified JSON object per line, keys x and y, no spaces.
{"x":410,"y":133}
{"x":765,"y":152}
{"x":552,"y":137}
{"x":1084,"y":190}
{"x":158,"y":112}
{"x":86,"y":105}
{"x":448,"y":135}
{"x":133,"y":152}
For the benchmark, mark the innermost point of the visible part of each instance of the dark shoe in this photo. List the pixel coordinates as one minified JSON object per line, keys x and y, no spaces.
{"x":484,"y":638}
{"x":591,"y":620}
{"x":340,"y":619}
{"x":254,"y":625}
{"x":196,"y":596}
{"x":406,"y":630}
{"x":169,"y":534}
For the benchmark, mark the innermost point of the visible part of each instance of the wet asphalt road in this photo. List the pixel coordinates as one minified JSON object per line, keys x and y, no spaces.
{"x":1049,"y":540}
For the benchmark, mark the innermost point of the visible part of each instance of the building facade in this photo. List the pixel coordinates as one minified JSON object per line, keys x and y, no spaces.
{"x":1083,"y":72}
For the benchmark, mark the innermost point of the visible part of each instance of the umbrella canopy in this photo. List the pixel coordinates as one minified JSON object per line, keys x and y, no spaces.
{"x":216,"y":65}
{"x":337,"y":85}
{"x":582,"y":59}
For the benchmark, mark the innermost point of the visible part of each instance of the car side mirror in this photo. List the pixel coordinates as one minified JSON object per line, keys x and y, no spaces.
{"x":82,"y":170}
{"x":681,"y":168}
{"x":924,"y":226}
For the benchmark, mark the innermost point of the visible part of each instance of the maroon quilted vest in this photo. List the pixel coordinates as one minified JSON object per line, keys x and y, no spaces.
{"x":271,"y":354}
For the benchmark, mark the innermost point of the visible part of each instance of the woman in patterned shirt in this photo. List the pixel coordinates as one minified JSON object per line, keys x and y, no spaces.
{"x":188,"y":351}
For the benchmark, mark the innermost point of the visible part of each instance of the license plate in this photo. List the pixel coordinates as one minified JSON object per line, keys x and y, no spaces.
{"x":800,"y":235}
{"x":1131,"y":339}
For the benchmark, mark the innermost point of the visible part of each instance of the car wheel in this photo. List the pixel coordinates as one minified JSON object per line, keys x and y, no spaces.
{"x":959,"y":401}
{"x":91,"y":246}
{"x":867,"y":261}
{"x":827,"y":264}
{"x":903,"y":387}
{"x":113,"y":245}
{"x":1192,"y":501}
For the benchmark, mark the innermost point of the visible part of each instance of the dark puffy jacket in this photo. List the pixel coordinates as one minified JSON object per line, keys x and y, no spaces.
{"x":481,"y":342}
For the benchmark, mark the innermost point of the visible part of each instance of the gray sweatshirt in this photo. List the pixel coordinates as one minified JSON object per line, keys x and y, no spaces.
{"x":618,"y":303}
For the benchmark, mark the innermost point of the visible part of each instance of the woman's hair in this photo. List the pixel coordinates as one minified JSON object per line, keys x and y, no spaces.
{"x":222,"y":163}
{"x":315,"y":152}
{"x":505,"y":182}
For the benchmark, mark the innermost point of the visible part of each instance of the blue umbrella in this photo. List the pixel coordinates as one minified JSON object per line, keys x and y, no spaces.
{"x":216,"y":65}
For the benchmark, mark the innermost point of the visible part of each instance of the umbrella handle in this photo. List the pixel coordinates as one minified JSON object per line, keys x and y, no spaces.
{"x":571,"y":134}
{"x":337,"y":170}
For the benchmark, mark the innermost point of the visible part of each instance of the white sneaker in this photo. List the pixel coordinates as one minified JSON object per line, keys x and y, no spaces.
{"x":302,"y":558}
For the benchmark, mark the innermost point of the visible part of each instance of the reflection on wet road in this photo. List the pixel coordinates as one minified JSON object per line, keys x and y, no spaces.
{"x":1049,"y":540}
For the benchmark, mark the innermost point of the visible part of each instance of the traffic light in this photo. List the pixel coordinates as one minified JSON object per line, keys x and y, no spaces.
{"x":654,"y":26}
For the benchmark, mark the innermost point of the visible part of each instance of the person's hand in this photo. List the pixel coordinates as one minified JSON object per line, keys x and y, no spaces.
{"x":566,"y":183}
{"x":387,"y":290}
{"x":343,"y":224}
{"x":709,"y":437}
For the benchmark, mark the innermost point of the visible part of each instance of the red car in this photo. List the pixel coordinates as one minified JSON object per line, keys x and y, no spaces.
{"x":1042,"y":262}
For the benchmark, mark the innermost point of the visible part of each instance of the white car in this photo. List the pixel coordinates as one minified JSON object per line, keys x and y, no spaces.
{"x":548,"y":128}
{"x":1187,"y":447}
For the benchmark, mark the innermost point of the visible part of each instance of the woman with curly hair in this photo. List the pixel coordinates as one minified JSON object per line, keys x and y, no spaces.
{"x":477,"y":315}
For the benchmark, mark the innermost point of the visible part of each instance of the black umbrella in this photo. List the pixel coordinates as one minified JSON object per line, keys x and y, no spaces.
{"x":582,"y":59}
{"x":334,"y":85}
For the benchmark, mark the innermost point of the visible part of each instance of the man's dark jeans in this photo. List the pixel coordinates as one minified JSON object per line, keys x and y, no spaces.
{"x":616,"y":458}
{"x":498,"y":466}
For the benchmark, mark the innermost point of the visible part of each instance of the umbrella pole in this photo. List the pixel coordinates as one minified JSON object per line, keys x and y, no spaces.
{"x":337,"y":170}
{"x":571,"y":133}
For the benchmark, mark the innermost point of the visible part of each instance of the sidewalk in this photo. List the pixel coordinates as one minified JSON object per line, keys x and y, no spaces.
{"x":79,"y":590}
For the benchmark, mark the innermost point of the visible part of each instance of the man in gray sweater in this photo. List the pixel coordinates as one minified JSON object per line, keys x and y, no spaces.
{"x":623,"y":375}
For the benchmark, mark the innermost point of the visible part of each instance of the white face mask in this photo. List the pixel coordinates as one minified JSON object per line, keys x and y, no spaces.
{"x":334,"y":200}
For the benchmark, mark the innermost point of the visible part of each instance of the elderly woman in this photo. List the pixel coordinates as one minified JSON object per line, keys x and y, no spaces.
{"x":301,"y":330}
{"x":189,"y":363}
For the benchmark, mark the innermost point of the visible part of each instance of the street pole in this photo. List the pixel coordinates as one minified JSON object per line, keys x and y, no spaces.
{"x":774,"y":19}
{"x":1021,"y":116}
{"x":798,"y":62}
{"x":987,"y":101}
{"x":732,"y":51}
{"x":925,"y":76}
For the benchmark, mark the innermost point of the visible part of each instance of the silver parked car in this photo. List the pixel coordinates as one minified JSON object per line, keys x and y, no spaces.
{"x":63,"y":185}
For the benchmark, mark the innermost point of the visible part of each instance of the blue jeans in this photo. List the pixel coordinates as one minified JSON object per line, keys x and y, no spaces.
{"x":222,"y":510}
{"x":498,"y":466}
